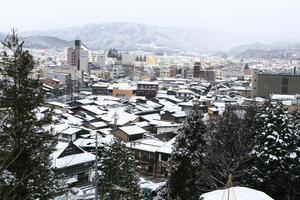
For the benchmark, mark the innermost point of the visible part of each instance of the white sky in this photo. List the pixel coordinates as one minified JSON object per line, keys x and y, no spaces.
{"x":267,"y":18}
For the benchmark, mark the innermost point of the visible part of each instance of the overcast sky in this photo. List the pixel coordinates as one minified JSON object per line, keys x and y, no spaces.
{"x":267,"y":18}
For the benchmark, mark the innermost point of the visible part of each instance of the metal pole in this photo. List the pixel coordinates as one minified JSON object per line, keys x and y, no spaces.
{"x":96,"y":168}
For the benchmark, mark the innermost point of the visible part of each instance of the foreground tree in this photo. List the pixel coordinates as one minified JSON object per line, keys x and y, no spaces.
{"x":187,"y":158}
{"x":229,"y":144}
{"x":25,"y":146}
{"x":119,"y":178}
{"x":276,"y":164}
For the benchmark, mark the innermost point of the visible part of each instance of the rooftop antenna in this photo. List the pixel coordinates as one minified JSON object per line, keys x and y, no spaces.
{"x":115,"y":117}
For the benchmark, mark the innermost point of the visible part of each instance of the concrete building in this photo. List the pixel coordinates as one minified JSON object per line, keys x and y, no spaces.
{"x":231,"y":72}
{"x":117,"y":71}
{"x":206,"y":74}
{"x":122,"y":89}
{"x":164,"y":73}
{"x":265,"y":83}
{"x":84,"y":60}
{"x":197,"y":68}
{"x":147,"y":89}
{"x":151,"y":60}
{"x":100,"y":61}
{"x":78,"y":57}
{"x":63,"y":78}
{"x":71,"y":56}
{"x":187,"y":72}
{"x":128,"y":58}
{"x":129,"y":70}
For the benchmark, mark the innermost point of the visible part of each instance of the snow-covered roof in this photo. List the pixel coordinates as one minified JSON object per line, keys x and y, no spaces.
{"x":57,"y":128}
{"x":91,"y":142}
{"x":105,"y":130}
{"x":94,"y":109}
{"x":148,"y":83}
{"x":106,"y":103}
{"x":141,"y":124}
{"x":132,"y":130}
{"x":71,"y":130}
{"x":75,"y":159}
{"x":219,"y":104}
{"x":85,"y":101}
{"x":122,"y":86}
{"x":98,"y":124}
{"x":100,"y":85}
{"x":282,"y":97}
{"x":149,"y":145}
{"x":236,"y":193}
{"x":187,"y":103}
{"x":167,"y":147}
{"x":179,"y":114}
{"x":149,"y":184}
{"x":186,"y":91}
{"x":58,"y":104}
{"x":123,"y":117}
{"x":159,"y":123}
{"x":151,"y":117}
{"x":69,"y":160}
{"x":72,"y":120}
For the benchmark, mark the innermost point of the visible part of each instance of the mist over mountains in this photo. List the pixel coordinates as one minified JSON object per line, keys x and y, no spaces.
{"x":133,"y":36}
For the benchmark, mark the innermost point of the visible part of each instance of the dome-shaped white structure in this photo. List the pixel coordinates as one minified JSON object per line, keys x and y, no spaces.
{"x":236,"y":193}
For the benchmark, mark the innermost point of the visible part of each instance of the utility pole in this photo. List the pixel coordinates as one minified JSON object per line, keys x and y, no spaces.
{"x":96,"y":168}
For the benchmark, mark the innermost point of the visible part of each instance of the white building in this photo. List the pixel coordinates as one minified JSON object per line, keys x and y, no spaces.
{"x":128,"y":58}
{"x":117,"y":71}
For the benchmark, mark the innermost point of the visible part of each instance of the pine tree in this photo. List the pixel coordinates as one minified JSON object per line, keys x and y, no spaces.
{"x":25,"y":146}
{"x":228,"y":145}
{"x":119,"y":178}
{"x":276,"y":164}
{"x":187,"y":158}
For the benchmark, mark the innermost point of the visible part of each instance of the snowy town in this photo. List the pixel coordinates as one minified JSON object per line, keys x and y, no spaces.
{"x":89,"y":115}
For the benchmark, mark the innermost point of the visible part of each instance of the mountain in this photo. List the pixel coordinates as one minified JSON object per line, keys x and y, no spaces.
{"x":42,"y":42}
{"x":133,"y":36}
{"x":280,"y":50}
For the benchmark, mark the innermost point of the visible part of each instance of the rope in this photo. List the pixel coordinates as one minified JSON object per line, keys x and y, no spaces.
{"x":228,"y":186}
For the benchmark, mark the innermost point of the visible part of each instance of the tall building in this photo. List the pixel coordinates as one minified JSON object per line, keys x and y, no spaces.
{"x":78,"y":56}
{"x":197,"y":68}
{"x":71,"y":56}
{"x":266,"y":83}
{"x":209,"y":75}
{"x":100,"y":60}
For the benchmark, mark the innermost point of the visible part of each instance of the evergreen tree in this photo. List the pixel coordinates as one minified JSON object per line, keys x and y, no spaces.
{"x":119,"y":178}
{"x":229,"y":142}
{"x":119,"y":56}
{"x":109,"y":54}
{"x":276,"y":164}
{"x":25,"y":147}
{"x":187,"y":158}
